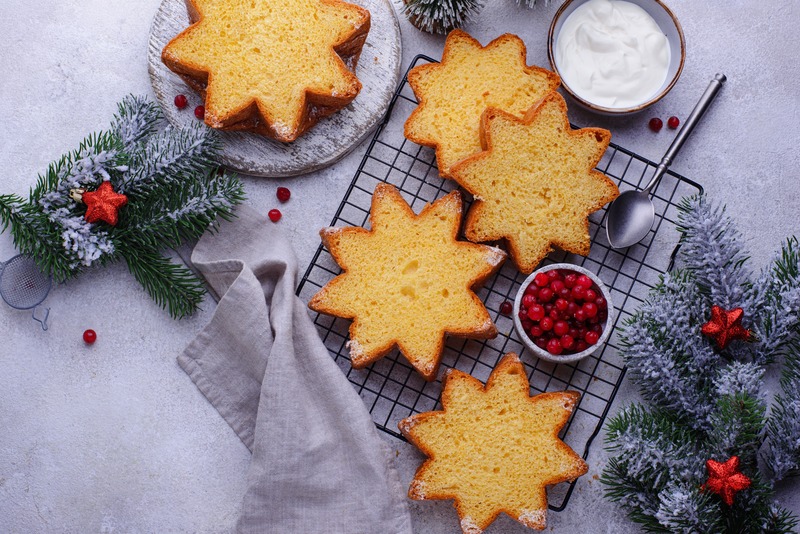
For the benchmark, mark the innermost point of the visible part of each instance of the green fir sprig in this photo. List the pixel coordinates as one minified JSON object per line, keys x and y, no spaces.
{"x":175,"y":190}
{"x":707,"y":403}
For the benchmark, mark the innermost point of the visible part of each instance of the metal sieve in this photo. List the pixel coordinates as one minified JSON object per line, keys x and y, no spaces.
{"x":23,"y":286}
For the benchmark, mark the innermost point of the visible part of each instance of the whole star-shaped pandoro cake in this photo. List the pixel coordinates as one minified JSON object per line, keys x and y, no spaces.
{"x":274,"y":67}
{"x":407,"y":281}
{"x":453,"y":94}
{"x":535,"y":185}
{"x":495,"y":448}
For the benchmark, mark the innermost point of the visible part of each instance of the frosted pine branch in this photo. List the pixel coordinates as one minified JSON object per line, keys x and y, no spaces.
{"x":136,"y":119}
{"x":711,"y":247}
{"x":441,"y":16}
{"x":684,"y":509}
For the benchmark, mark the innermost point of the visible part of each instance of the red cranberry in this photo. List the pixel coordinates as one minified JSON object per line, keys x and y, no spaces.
{"x":560,"y":328}
{"x":565,"y":293}
{"x":89,"y":336}
{"x":527,"y":324}
{"x":570,"y":280}
{"x":585,"y":281}
{"x":535,"y":331}
{"x":545,"y":294}
{"x":200,"y":112}
{"x":532,"y":290}
{"x":591,"y":295}
{"x":181,"y":101}
{"x":553,"y":275}
{"x":655,"y":124}
{"x":541,"y":342}
{"x":283,"y":194}
{"x":567,"y":342}
{"x":601,"y":303}
{"x":274,"y":215}
{"x":557,"y":285}
{"x":572,"y":308}
{"x":554,"y":347}
{"x":580,"y":315}
{"x":591,"y":337}
{"x":536,"y":312}
{"x":590,"y":309}
{"x":546,"y":324}
{"x":581,"y":346}
{"x":673,"y":122}
{"x":562,"y":305}
{"x":541,"y":279}
{"x":506,"y":308}
{"x":528,"y":301}
{"x":578,"y":292}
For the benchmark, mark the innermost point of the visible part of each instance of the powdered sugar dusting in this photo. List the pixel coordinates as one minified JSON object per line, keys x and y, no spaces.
{"x":417,"y":489}
{"x":496,"y":256}
{"x":356,"y":350}
{"x":533,"y":518}
{"x":469,"y":526}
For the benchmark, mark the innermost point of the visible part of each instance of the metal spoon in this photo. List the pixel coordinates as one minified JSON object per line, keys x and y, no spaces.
{"x":631,"y":215}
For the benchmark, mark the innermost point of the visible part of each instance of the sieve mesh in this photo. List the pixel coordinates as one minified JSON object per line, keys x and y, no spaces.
{"x":22,"y":284}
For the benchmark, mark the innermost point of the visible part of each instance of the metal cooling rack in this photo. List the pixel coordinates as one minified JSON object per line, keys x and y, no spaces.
{"x":390,"y":387}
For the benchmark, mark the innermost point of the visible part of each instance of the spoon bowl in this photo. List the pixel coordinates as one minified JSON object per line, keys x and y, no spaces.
{"x":630,"y":218}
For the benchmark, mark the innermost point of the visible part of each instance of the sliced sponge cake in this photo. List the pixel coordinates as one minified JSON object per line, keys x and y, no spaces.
{"x":495,"y":448}
{"x":270,"y":66}
{"x":535,"y":186}
{"x":453,"y":94}
{"x":407,"y":281}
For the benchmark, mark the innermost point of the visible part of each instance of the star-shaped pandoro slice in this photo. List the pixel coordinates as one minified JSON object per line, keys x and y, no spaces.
{"x":270,"y":66}
{"x":535,"y":185}
{"x":493,"y":449}
{"x":407,"y":281}
{"x":453,"y":94}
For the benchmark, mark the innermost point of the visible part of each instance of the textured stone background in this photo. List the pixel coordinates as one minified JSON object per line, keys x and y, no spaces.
{"x":116,"y":438}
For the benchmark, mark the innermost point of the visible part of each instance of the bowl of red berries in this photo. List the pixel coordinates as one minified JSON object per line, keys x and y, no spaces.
{"x":563,"y":312}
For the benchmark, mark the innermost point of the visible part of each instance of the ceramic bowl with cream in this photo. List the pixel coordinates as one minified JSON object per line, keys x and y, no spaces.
{"x":616,"y":56}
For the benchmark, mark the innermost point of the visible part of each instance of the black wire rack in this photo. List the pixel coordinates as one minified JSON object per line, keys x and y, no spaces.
{"x":390,"y":387}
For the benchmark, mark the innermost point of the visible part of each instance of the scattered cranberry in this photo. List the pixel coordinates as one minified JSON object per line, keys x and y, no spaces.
{"x":200,"y":112}
{"x":89,"y":336}
{"x":655,"y":124}
{"x":274,"y":215}
{"x":283,"y":194}
{"x":563,"y":311}
{"x":673,"y":122}
{"x":181,"y":101}
{"x":505,"y":308}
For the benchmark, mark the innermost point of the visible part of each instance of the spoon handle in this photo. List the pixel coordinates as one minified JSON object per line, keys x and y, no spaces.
{"x":683,"y":134}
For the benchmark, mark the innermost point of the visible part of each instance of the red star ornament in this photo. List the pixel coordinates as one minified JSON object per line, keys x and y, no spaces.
{"x":725,"y":480}
{"x":725,"y":326}
{"x":103,"y":204}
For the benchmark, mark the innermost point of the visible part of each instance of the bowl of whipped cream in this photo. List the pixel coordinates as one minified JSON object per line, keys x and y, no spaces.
{"x":616,"y":56}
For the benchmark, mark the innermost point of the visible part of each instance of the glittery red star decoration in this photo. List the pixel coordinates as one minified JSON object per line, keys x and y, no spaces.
{"x":103,"y":204}
{"x":725,"y":480}
{"x":725,"y":326}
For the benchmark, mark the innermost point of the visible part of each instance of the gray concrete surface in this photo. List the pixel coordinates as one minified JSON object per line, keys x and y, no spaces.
{"x":116,"y":438}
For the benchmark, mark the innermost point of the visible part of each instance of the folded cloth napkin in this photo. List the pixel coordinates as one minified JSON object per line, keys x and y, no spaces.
{"x":318,"y":464}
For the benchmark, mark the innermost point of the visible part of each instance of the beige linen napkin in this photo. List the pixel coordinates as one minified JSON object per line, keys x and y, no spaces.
{"x":318,"y":464}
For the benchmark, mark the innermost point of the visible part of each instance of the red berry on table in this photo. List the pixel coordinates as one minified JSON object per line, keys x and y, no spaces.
{"x":554,"y":347}
{"x":673,"y":122}
{"x":200,"y":112}
{"x":284,"y":194}
{"x":541,"y":279}
{"x":506,"y":308}
{"x":181,"y":101}
{"x":274,"y":215}
{"x":89,"y":336}
{"x":591,"y":337}
{"x":546,"y":324}
{"x":655,"y":124}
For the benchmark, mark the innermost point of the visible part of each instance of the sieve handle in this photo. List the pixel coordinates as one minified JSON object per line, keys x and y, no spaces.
{"x":43,"y":322}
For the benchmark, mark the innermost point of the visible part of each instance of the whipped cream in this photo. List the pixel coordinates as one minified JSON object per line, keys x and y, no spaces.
{"x":612,"y":53}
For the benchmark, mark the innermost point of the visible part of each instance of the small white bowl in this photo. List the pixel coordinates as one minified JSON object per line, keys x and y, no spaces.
{"x":668,"y":23}
{"x":566,"y":358}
